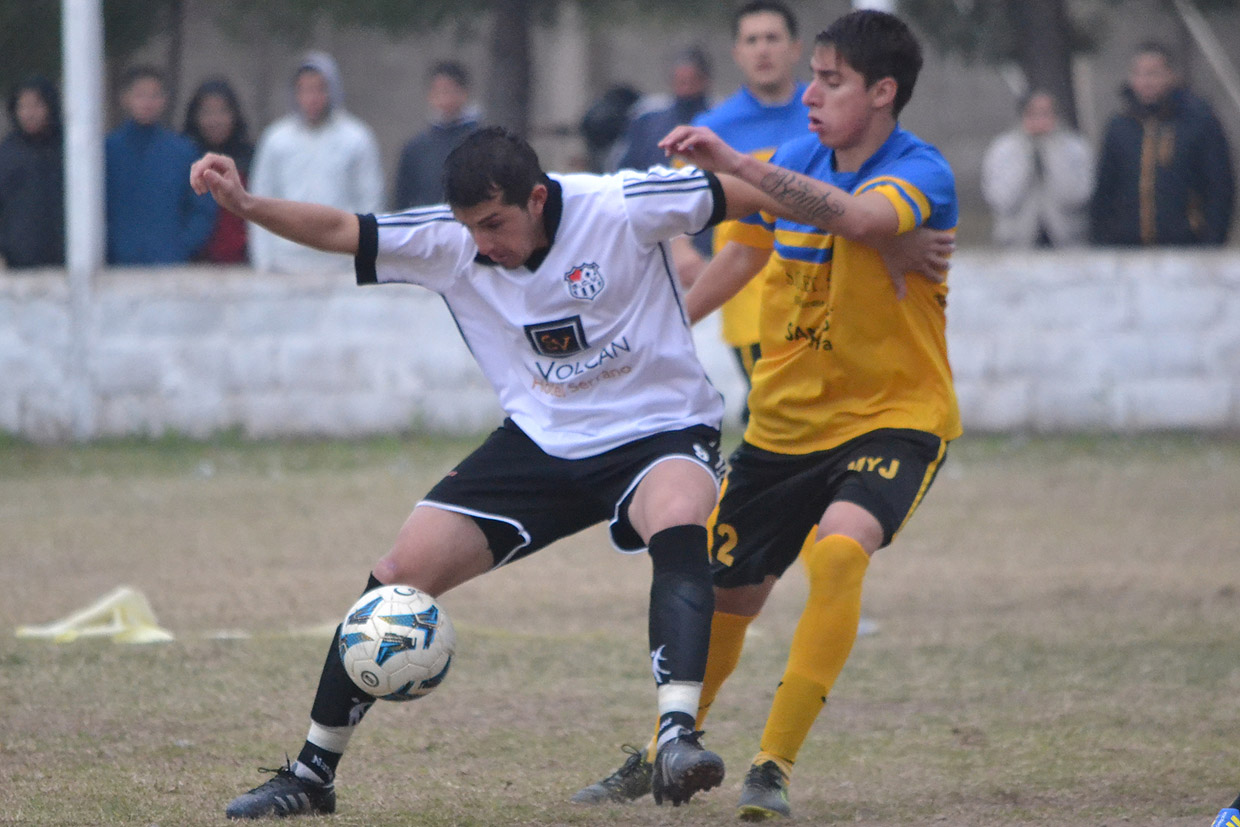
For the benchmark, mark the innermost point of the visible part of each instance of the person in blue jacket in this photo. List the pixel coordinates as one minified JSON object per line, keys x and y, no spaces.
{"x":153,"y":215}
{"x":1165,"y":174}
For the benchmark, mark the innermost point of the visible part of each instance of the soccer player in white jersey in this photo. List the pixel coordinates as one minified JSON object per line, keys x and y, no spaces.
{"x":562,"y":288}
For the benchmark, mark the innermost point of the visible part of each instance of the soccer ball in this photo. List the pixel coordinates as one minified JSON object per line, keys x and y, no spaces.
{"x":397,"y":643}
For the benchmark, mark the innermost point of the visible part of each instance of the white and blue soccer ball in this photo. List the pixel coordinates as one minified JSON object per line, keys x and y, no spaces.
{"x":397,"y":643}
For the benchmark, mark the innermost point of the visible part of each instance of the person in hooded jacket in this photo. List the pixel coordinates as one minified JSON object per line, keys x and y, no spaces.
{"x":214,"y":122}
{"x":1165,"y":174}
{"x":319,"y":153}
{"x":32,"y":191}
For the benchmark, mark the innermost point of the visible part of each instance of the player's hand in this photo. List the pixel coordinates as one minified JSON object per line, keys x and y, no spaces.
{"x":702,"y":148}
{"x":217,"y":174}
{"x":923,"y":252}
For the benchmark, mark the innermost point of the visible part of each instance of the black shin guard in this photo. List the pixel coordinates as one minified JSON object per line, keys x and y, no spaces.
{"x":338,"y":701}
{"x":682,"y":601}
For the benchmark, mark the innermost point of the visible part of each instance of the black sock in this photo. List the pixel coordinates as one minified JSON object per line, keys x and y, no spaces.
{"x":337,"y":702}
{"x":675,"y":719}
{"x":682,"y":601}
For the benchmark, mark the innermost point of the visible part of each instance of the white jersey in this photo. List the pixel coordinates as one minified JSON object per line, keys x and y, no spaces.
{"x":591,"y":348}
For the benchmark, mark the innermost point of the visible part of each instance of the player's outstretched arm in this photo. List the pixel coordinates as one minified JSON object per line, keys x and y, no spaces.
{"x":729,"y":271}
{"x":314,"y":225}
{"x":782,"y":192}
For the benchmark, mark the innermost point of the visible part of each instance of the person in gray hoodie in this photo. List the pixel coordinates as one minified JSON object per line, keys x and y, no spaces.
{"x":320,"y":153}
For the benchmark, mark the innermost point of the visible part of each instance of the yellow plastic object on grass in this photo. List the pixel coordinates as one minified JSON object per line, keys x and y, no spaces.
{"x":124,"y":615}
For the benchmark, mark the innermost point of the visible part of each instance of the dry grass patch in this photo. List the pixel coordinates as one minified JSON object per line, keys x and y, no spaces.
{"x":1058,"y":645}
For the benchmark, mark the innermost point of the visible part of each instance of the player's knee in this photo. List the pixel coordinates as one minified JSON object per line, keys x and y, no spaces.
{"x":681,"y":548}
{"x":744,"y":601}
{"x":386,"y":571}
{"x":834,"y":559}
{"x":680,"y":507}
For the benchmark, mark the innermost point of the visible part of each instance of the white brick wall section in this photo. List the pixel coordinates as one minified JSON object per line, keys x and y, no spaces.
{"x":1080,"y":340}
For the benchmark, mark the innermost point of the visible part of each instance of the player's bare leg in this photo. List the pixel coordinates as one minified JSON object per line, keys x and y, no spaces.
{"x":434,"y":551}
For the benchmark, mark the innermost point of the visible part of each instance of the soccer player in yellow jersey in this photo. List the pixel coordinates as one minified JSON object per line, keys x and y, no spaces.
{"x":763,"y":113}
{"x":852,"y":404}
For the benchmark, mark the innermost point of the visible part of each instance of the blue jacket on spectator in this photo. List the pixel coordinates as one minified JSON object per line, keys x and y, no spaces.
{"x":1164,"y":175}
{"x":644,"y":133}
{"x":153,"y":215}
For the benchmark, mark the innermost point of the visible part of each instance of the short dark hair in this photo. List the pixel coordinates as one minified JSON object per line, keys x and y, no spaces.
{"x":759,"y":7}
{"x":1157,"y":47}
{"x":452,"y":70}
{"x":878,"y":45}
{"x":142,"y":71}
{"x":693,"y":56}
{"x":488,"y":162}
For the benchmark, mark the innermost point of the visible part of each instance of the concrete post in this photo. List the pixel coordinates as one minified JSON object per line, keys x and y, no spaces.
{"x":82,"y":37}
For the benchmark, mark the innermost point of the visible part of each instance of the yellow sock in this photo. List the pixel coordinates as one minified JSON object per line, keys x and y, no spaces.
{"x":821,"y":644}
{"x":762,"y":757}
{"x":727,"y":638}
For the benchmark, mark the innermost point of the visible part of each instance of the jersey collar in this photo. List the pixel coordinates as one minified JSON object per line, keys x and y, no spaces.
{"x":553,"y":210}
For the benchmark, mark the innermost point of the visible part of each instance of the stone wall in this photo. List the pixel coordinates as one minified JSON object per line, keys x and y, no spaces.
{"x":1096,"y":340}
{"x":1068,"y":341}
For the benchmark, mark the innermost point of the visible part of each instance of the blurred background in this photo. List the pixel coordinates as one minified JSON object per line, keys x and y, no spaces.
{"x":1123,"y":336}
{"x":539,"y":64}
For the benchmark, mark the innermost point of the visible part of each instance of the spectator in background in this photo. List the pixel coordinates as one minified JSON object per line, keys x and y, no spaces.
{"x":32,"y":186}
{"x":604,"y":123}
{"x":1165,"y":173}
{"x":214,"y":122}
{"x":153,"y":216}
{"x":1037,"y":179}
{"x":764,"y":113}
{"x":318,"y":153}
{"x":419,"y":176}
{"x":690,"y":87}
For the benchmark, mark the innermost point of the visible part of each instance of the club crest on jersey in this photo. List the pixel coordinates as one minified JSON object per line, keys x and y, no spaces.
{"x":584,"y":281}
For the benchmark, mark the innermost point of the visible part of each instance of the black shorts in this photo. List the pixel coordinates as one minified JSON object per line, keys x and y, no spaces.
{"x":524,"y":499}
{"x":771,"y":502}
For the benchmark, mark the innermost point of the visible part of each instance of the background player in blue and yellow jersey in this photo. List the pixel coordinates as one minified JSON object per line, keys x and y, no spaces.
{"x":764,"y":113}
{"x":852,"y":404}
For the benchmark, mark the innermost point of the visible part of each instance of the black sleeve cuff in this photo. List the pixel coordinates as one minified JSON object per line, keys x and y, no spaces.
{"x":721,"y":201}
{"x":367,"y":250}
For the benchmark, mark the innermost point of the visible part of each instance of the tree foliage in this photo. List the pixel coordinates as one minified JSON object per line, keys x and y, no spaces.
{"x":30,"y":33}
{"x":30,"y":30}
{"x":1039,"y":36}
{"x":508,"y":90}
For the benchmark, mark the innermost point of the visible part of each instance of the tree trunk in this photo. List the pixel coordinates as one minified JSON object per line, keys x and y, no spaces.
{"x":508,"y":89}
{"x":176,"y":54}
{"x":1044,"y":49}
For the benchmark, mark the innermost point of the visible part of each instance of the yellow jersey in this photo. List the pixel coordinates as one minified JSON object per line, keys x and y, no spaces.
{"x":841,"y":355}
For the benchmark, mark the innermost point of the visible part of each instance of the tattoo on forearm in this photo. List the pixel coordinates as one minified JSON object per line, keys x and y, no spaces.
{"x":785,"y":188}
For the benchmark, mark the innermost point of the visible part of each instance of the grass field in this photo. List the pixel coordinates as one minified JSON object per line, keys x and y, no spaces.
{"x":1059,"y":644}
